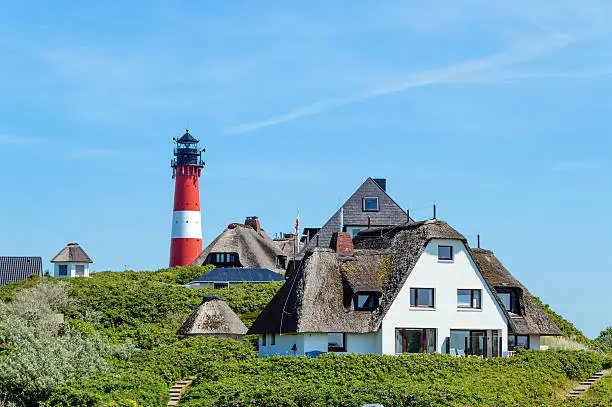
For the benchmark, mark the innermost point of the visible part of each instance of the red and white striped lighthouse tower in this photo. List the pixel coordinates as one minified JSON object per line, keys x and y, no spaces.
{"x":186,"y":222}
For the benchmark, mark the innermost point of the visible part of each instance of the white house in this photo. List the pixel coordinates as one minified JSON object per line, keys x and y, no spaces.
{"x":403,"y":289}
{"x":71,"y":261}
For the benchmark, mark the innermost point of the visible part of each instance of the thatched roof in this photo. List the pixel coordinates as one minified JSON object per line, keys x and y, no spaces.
{"x":286,"y":245}
{"x":317,"y":297}
{"x":213,"y":318}
{"x":255,"y":248}
{"x":532,"y":319}
{"x":72,"y":253}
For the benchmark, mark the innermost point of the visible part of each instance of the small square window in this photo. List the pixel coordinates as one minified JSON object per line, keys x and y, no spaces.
{"x":79,"y":270}
{"x":445,"y":252}
{"x":365,"y":302}
{"x":336,"y":342}
{"x":370,"y":204}
{"x":469,"y":298}
{"x":63,"y":269}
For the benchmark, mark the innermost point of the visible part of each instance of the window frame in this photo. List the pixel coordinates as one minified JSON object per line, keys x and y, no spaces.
{"x":363,"y":206}
{"x":452,"y":253}
{"x":77,"y":272}
{"x":472,"y":297}
{"x":515,"y":337}
{"x":272,"y":339}
{"x":416,"y":298}
{"x":372,"y":296}
{"x":424,"y":337}
{"x":59,"y":270}
{"x":340,"y":348}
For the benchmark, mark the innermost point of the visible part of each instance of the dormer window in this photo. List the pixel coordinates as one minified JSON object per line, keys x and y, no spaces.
{"x":370,"y":204}
{"x":223,"y":259}
{"x":509,"y":299}
{"x":365,"y":302}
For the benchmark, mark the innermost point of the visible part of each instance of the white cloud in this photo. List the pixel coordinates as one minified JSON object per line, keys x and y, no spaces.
{"x":12,"y":139}
{"x":461,"y":72}
{"x":574,"y":166}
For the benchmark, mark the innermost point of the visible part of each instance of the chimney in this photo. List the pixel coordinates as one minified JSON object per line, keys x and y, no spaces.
{"x":253,"y":221}
{"x":382,"y":183}
{"x":342,"y":243}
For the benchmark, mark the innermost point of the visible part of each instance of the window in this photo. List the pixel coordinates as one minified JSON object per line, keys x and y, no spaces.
{"x":445,"y":252}
{"x":469,"y":298}
{"x":365,"y":302}
{"x":353,"y":230}
{"x":79,"y":270}
{"x":223,"y":259}
{"x":219,"y":286}
{"x":336,"y":342}
{"x":263,"y":339}
{"x":272,"y":339}
{"x":518,"y":341}
{"x":415,"y":340}
{"x":63,"y":269}
{"x":422,"y":297}
{"x":370,"y":204}
{"x":505,"y":297}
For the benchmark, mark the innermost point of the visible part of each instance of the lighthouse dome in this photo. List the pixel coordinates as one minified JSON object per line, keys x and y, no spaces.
{"x":187,"y":138}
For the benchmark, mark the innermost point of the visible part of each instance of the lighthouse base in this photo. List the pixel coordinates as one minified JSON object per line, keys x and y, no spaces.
{"x":183,"y":251}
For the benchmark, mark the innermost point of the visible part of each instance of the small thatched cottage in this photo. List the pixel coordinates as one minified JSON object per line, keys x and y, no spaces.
{"x":71,"y":261}
{"x":214,"y":318}
{"x":410,"y":288}
{"x":243,"y":246}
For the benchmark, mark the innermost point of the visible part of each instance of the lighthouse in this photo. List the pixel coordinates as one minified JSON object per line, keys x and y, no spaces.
{"x":187,"y":166}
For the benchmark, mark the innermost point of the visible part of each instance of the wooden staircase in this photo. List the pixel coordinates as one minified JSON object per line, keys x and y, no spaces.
{"x":584,"y":385}
{"x":178,"y":388}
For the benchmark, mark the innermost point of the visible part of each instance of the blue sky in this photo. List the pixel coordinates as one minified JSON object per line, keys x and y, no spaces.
{"x":500,"y":113}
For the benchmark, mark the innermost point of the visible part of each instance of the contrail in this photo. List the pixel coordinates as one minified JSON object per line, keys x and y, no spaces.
{"x":454,"y":73}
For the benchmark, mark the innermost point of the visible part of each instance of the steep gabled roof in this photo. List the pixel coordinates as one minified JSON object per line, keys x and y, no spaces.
{"x":239,"y":275}
{"x":314,"y":298}
{"x":14,"y":269}
{"x":72,"y":253}
{"x":255,"y":249}
{"x":213,"y":318}
{"x":390,"y":213}
{"x":532,"y":319}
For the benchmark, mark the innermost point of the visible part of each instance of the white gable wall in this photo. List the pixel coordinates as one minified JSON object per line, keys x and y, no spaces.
{"x":71,"y":269}
{"x":445,"y":277}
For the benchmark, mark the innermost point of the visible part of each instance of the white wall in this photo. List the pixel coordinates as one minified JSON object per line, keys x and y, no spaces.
{"x":445,"y":277}
{"x":534,"y":342}
{"x":308,"y":342}
{"x":71,"y":269}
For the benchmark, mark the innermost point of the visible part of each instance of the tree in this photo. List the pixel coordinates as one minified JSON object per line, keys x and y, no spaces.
{"x":605,"y":337}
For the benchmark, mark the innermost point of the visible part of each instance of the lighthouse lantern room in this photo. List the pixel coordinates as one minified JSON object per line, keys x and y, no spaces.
{"x":187,"y":164}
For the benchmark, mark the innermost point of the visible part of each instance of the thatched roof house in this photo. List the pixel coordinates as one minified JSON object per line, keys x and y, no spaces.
{"x":318,"y":296}
{"x":361,"y":296}
{"x":243,"y":245}
{"x":214,"y":318}
{"x":525,"y":317}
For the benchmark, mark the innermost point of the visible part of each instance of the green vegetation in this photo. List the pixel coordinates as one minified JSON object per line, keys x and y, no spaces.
{"x":605,"y":338}
{"x":91,"y":361}
{"x":601,"y":391}
{"x":568,"y":329}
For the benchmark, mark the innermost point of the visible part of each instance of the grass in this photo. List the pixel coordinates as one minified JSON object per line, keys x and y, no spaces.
{"x":562,"y":343}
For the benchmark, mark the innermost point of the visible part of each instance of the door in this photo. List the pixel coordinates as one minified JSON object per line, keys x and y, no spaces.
{"x":477,"y":343}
